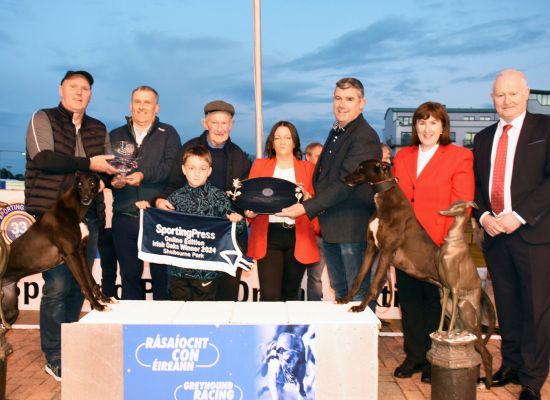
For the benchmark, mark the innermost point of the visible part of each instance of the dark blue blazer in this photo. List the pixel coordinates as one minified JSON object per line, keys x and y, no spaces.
{"x":344,"y":211}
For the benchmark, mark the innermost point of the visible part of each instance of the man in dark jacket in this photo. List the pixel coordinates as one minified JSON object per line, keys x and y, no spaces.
{"x":343,"y":211}
{"x":228,"y":162}
{"x":512,"y":172}
{"x":61,"y":141}
{"x":157,"y":145}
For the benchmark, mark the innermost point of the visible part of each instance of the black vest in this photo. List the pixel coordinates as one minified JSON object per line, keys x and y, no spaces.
{"x":42,"y":189}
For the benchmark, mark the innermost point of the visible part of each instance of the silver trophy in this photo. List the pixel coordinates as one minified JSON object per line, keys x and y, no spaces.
{"x":125,"y":158}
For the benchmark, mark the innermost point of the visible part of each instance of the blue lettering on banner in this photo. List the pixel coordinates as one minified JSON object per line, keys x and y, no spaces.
{"x":225,"y":362}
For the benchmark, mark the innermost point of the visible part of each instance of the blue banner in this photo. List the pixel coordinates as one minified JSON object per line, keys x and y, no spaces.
{"x":190,"y":241}
{"x":232,"y":362}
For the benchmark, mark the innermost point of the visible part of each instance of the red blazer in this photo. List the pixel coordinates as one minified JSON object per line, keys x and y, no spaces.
{"x":448,"y":177}
{"x":306,"y":250}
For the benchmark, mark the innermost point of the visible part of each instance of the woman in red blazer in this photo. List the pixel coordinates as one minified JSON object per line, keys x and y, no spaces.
{"x":433,"y":174}
{"x":283,"y":247}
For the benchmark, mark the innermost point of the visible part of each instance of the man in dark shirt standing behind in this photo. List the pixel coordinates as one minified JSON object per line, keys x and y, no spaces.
{"x":228,"y":162}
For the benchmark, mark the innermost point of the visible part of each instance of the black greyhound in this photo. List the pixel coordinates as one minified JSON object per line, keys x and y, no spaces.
{"x":53,"y":239}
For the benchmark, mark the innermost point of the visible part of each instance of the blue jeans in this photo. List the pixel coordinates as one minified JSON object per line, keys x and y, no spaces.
{"x":314,"y":273}
{"x":62,"y":299}
{"x":343,"y":263}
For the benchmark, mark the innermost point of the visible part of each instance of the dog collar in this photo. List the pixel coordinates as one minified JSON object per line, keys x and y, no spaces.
{"x":383,"y":186}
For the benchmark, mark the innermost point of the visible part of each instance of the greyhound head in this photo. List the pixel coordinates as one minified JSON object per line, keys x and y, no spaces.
{"x":458,"y":208}
{"x":291,"y":354}
{"x":370,"y":171}
{"x":87,"y":186}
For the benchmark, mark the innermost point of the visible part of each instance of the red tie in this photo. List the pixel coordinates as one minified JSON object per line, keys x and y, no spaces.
{"x":497,"y":188}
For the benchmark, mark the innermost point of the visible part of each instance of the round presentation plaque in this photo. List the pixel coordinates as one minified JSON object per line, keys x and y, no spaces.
{"x":265,"y":195}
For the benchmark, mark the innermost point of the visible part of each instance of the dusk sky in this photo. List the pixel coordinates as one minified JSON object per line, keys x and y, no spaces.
{"x":404,"y":52}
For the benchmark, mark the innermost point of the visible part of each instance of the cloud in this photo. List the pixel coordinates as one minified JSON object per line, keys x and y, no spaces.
{"x":394,"y":40}
{"x":407,"y":86}
{"x":378,"y":42}
{"x":476,"y":78}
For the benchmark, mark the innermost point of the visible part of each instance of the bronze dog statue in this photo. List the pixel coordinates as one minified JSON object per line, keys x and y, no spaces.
{"x":460,"y":280}
{"x":397,"y":235}
{"x":53,"y":239}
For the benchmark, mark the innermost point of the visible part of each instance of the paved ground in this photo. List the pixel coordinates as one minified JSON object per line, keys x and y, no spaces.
{"x":26,"y":379}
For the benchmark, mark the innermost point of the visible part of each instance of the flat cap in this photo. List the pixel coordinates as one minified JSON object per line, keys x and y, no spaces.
{"x":219,"y":105}
{"x":85,"y":74}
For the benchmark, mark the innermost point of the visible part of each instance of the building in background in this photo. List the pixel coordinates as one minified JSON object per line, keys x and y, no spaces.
{"x":465,"y":122}
{"x":539,"y":102}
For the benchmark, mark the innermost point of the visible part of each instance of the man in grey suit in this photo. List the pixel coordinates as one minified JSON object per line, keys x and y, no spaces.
{"x":343,"y":211}
{"x":512,"y":173}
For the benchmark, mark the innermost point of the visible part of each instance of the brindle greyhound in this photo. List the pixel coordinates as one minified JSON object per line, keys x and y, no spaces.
{"x":53,"y":239}
{"x":397,"y":235}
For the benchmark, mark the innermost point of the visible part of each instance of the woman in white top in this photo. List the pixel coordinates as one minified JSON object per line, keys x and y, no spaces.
{"x":283,"y":247}
{"x":433,"y":173}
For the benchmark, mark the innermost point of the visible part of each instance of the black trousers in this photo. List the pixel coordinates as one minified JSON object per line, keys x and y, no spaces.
{"x":188,"y":289}
{"x":125,"y":237}
{"x":228,"y":287}
{"x":279,"y":273}
{"x":109,"y":265}
{"x":521,"y":280}
{"x":420,"y":313}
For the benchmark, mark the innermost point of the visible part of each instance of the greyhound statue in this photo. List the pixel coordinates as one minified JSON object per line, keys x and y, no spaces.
{"x":396,"y":234}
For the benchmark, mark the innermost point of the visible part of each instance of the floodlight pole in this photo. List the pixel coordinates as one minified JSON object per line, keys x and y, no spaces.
{"x":258,"y":78}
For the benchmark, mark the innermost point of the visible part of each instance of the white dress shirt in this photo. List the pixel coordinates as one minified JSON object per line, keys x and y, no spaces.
{"x":513,"y":137}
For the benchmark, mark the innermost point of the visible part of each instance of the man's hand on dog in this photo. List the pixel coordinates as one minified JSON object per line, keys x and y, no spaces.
{"x":294,"y":211}
{"x":101,"y":164}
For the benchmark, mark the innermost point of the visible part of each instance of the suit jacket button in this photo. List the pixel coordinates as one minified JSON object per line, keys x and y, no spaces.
{"x":412,"y":200}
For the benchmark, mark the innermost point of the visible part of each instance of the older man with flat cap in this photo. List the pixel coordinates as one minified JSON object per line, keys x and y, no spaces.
{"x":229,"y":162}
{"x":61,"y":141}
